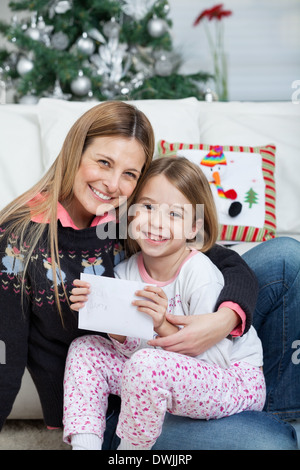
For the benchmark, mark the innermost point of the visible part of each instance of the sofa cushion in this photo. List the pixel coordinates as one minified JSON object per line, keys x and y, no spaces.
{"x":243,"y":185}
{"x":20,"y":151}
{"x":166,"y":116}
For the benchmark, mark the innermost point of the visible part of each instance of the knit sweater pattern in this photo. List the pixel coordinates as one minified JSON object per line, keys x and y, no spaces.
{"x":31,"y":328}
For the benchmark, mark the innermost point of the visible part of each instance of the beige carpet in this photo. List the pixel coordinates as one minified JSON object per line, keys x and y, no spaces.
{"x":30,"y":435}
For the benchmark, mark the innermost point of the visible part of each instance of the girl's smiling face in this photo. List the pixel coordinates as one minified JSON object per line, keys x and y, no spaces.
{"x":163,"y":218}
{"x":109,"y":170}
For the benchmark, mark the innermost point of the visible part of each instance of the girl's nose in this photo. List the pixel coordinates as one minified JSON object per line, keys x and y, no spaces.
{"x":158,"y":217}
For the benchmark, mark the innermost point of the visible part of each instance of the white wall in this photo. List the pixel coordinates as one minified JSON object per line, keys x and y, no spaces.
{"x":262,"y":40}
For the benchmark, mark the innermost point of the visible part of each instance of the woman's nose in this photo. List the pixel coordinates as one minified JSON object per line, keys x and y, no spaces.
{"x":112,"y":182}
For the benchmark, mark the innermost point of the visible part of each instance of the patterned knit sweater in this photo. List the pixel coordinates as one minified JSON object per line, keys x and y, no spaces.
{"x":34,"y":336}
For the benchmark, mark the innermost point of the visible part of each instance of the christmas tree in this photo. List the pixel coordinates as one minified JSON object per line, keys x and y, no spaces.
{"x":100,"y":49}
{"x":251,"y":197}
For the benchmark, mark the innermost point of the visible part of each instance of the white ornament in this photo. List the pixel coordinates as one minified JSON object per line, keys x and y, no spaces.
{"x":24,"y":66}
{"x":81,"y":85}
{"x":33,"y":33}
{"x":157,"y":27}
{"x":62,"y":6}
{"x":29,"y":99}
{"x":95,"y":34}
{"x":57,"y":92}
{"x":137,"y":8}
{"x":164,"y":65}
{"x":85,"y":44}
{"x":210,"y":95}
{"x":2,"y":91}
{"x":111,"y":29}
{"x":59,"y":41}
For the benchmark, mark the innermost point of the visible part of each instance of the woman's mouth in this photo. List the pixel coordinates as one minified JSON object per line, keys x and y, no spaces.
{"x":102,"y":196}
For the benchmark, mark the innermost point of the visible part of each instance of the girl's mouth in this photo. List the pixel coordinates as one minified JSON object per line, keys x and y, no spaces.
{"x":156,"y":239}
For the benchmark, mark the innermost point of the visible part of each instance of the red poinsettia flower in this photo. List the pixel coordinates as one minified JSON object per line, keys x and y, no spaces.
{"x":215,"y":12}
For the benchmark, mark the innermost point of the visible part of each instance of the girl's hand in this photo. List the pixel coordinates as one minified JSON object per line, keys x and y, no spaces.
{"x":198,"y":332}
{"x":155,"y":304}
{"x":79,"y":294}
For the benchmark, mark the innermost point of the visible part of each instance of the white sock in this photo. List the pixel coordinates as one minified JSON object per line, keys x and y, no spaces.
{"x":86,"y":441}
{"x":126,"y":445}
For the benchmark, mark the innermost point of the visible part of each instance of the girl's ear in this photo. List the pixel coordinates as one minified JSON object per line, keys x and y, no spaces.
{"x":197,"y":227}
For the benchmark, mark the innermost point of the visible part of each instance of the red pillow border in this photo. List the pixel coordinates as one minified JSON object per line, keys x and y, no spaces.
{"x":234,"y":233}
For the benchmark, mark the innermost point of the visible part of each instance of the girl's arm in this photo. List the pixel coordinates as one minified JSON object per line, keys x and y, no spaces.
{"x":200,"y":332}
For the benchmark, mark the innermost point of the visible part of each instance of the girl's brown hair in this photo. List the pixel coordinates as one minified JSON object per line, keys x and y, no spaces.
{"x":110,"y":118}
{"x":190,"y":180}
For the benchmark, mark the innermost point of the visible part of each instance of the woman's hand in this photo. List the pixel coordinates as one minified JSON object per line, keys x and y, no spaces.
{"x":199,"y":332}
{"x":155,"y":304}
{"x":79,"y":294}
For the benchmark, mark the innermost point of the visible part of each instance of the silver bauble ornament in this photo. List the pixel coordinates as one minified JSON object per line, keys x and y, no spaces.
{"x":28,"y":99}
{"x":163,"y":65}
{"x":111,"y":28}
{"x":86,"y":45}
{"x":24,"y":66}
{"x":157,"y":27}
{"x":81,"y":85}
{"x":59,"y":41}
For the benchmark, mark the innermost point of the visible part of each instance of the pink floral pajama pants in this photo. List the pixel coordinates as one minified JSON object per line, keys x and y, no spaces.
{"x":150,"y":383}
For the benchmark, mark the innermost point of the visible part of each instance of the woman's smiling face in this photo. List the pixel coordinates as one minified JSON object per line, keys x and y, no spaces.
{"x":109,"y":170}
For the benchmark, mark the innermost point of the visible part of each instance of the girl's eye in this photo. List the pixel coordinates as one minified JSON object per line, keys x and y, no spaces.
{"x":175,"y":214}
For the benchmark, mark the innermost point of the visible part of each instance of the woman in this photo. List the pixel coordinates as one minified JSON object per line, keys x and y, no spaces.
{"x":49,"y":235}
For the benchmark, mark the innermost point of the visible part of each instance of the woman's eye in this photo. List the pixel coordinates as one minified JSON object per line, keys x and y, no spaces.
{"x":148,"y":207}
{"x":131,"y":175}
{"x":103,"y":162}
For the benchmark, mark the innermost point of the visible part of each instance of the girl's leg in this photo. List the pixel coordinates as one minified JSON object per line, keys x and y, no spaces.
{"x":93,"y":371}
{"x":156,"y":381}
{"x":276,"y":264}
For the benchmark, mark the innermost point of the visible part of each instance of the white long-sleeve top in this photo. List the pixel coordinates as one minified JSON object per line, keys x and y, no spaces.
{"x":193,"y":291}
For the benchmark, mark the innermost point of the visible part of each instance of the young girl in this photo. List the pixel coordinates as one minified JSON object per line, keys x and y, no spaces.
{"x":224,"y":380}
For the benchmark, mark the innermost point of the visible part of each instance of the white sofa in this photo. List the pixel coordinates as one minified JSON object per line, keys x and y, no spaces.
{"x":31,"y":136}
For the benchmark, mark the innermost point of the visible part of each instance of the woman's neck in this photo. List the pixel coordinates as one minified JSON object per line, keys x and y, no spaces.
{"x":165,"y":267}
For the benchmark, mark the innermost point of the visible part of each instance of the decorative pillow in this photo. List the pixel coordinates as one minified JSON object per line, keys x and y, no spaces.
{"x":242,"y":183}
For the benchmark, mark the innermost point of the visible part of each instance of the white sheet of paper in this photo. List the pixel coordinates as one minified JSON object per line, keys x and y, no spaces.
{"x":109,"y":308}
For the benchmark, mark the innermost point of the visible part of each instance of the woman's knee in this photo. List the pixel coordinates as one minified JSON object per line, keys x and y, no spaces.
{"x":276,"y":259}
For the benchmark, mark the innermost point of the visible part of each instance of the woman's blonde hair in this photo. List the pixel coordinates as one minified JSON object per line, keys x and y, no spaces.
{"x":190,"y":180}
{"x":110,"y":118}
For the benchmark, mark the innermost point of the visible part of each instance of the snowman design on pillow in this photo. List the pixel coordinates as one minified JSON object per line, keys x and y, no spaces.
{"x":214,"y":166}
